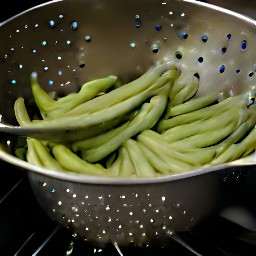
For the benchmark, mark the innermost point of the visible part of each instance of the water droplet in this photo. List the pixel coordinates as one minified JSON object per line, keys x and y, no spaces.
{"x":61,"y":16}
{"x":238,"y":71}
{"x":20,"y":66}
{"x":50,"y":82}
{"x":68,"y":42}
{"x":74,"y":25}
{"x":13,"y":81}
{"x":51,"y":24}
{"x":137,"y":21}
{"x":88,"y":38}
{"x":34,"y":50}
{"x":158,"y":27}
{"x":46,"y":68}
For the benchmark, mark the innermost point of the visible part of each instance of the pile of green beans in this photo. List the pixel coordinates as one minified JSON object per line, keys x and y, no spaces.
{"x":152,"y":126}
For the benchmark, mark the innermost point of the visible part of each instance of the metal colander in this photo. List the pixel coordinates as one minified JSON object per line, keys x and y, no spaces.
{"x":70,"y":42}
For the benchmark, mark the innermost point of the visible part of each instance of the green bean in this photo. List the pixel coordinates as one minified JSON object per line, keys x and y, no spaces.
{"x":74,"y":163}
{"x":205,"y":139}
{"x":204,"y":113}
{"x":115,"y":168}
{"x":32,"y":156}
{"x":203,"y":156}
{"x":212,"y":137}
{"x":42,"y":98}
{"x":201,"y":126}
{"x":182,"y":81}
{"x":127,"y":168}
{"x":153,"y":112}
{"x":237,"y":150}
{"x":194,"y":104}
{"x":21,"y":112}
{"x":185,"y":93}
{"x":112,"y":135}
{"x":156,"y":143}
{"x":98,"y":140}
{"x":106,"y":114}
{"x":21,"y":153}
{"x":88,"y":91}
{"x":43,"y":155}
{"x":51,"y":108}
{"x":237,"y":135}
{"x":149,"y":79}
{"x":160,"y":165}
{"x":142,"y":167}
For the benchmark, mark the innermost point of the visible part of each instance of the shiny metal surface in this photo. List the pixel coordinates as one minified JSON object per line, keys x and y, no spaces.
{"x":71,"y":42}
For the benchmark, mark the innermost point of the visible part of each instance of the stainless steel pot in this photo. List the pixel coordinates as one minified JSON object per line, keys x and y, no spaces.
{"x":69,"y":42}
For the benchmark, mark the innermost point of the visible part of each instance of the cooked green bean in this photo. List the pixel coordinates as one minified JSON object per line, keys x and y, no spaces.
{"x":159,"y":164}
{"x":153,"y":112}
{"x":21,"y":112}
{"x":236,"y":151}
{"x":40,"y":153}
{"x":71,"y":162}
{"x":155,"y":125}
{"x":152,"y":78}
{"x":186,"y":93}
{"x":127,"y":168}
{"x":178,"y":133}
{"x":106,"y":113}
{"x":96,"y":141}
{"x":141,"y":165}
{"x":88,"y":91}
{"x":194,"y":104}
{"x":204,"y":113}
{"x":156,"y":143}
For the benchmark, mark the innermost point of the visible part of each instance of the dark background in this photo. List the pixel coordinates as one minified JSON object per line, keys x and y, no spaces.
{"x":13,"y":7}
